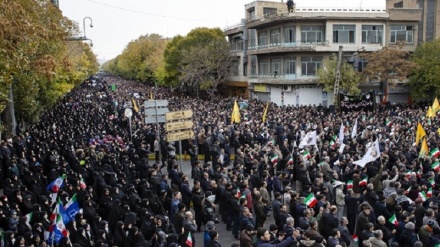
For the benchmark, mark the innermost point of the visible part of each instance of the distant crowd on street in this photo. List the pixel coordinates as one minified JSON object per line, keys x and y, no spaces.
{"x":79,"y":178}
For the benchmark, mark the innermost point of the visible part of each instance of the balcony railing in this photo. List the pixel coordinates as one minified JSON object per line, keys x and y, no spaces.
{"x":289,"y":45}
{"x":275,"y":76}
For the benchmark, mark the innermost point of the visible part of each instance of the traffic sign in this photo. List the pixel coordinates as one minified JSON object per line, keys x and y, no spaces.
{"x":152,"y":111}
{"x":178,"y":115}
{"x":178,"y":136}
{"x":128,"y":112}
{"x":154,"y":103}
{"x":152,"y":119}
{"x":172,"y":126}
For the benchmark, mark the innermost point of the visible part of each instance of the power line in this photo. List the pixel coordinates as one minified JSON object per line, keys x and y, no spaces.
{"x":144,"y":13}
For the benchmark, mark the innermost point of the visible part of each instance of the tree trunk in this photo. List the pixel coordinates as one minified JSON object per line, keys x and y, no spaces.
{"x":8,"y":116}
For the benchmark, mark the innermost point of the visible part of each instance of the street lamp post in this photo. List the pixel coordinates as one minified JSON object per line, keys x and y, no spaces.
{"x":84,"y":25}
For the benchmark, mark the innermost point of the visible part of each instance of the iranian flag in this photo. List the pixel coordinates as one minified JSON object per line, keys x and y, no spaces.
{"x":436,"y":166}
{"x":393,"y":220}
{"x":355,"y":238}
{"x":58,"y":229}
{"x":408,"y":174}
{"x":56,"y":184}
{"x":434,"y":153}
{"x":290,"y":161}
{"x":310,"y":201}
{"x":363,"y":182}
{"x":28,"y":218}
{"x":82,"y":184}
{"x":408,"y":190}
{"x":306,"y":154}
{"x":423,"y":196}
{"x":350,"y":184}
{"x":409,"y":121}
{"x":432,"y":182}
{"x":274,"y":159}
{"x":388,"y":123}
{"x":429,"y":194}
{"x":332,"y":144}
{"x":189,"y":241}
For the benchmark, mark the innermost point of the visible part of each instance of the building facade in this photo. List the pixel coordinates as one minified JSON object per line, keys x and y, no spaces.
{"x":278,"y":52}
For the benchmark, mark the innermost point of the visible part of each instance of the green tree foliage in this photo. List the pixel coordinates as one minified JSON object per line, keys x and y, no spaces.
{"x":199,"y":61}
{"x":140,"y":59}
{"x":389,"y":64}
{"x":33,"y":57}
{"x":424,"y":83}
{"x":349,"y":77}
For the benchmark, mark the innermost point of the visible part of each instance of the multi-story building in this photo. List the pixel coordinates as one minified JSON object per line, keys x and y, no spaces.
{"x":278,"y":52}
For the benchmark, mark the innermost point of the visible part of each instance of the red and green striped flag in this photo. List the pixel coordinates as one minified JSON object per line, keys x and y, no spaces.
{"x":429,"y":194}
{"x":350,"y":184}
{"x":363,"y":182}
{"x":423,"y":196}
{"x":434,"y":153}
{"x":408,"y":190}
{"x":355,"y":239}
{"x":306,"y":154}
{"x":290,"y":161}
{"x":393,"y":220}
{"x":310,"y":201}
{"x":274,"y":159}
{"x":388,"y":123}
{"x":432,"y":182}
{"x":188,"y":240}
{"x":436,"y":166}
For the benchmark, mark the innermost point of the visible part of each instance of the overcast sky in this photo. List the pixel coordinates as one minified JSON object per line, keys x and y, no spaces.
{"x":117,"y":22}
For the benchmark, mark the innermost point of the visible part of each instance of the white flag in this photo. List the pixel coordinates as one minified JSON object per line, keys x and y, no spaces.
{"x":354,"y":131}
{"x":309,"y":139}
{"x":341,"y":133}
{"x":372,"y":154}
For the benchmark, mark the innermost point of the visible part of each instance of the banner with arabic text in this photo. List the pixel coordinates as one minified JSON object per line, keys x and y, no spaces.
{"x":364,"y":102}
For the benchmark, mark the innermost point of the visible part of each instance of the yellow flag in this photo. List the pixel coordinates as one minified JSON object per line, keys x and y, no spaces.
{"x":135,"y":107}
{"x":435,"y":106}
{"x":420,"y":133}
{"x":151,"y":96}
{"x":235,"y":118}
{"x":430,"y":113}
{"x":424,"y":149}
{"x":265,"y":112}
{"x":438,"y":131}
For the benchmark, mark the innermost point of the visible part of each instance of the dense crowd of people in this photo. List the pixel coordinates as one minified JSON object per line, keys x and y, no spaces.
{"x":317,"y":195}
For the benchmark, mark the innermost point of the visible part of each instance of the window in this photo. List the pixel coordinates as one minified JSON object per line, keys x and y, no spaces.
{"x":372,"y":34}
{"x":402,"y":33}
{"x":234,"y":69}
{"x":275,"y":37}
{"x":311,"y":34}
{"x":252,"y":38}
{"x":343,"y":33}
{"x":309,"y":65}
{"x":398,"y":4}
{"x":289,"y":65}
{"x":264,"y":67}
{"x":289,"y":35}
{"x":262,"y":39}
{"x":253,"y":65}
{"x":269,"y":11}
{"x":275,"y":64}
{"x":251,"y":13}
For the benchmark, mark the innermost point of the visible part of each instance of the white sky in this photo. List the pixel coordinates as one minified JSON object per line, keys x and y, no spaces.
{"x":117,"y":22}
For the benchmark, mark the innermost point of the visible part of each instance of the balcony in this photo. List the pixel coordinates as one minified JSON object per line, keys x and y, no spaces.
{"x":289,"y":79}
{"x":285,"y":47}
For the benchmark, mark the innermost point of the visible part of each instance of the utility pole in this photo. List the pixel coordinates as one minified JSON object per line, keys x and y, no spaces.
{"x":337,"y":79}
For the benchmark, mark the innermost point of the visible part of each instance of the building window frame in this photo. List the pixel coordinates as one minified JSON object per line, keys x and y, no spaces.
{"x":262,"y":39}
{"x":310,"y":64}
{"x":275,"y":66}
{"x":289,"y":65}
{"x":289,"y":34}
{"x":312,"y":34}
{"x":263,"y":67}
{"x":372,"y":34}
{"x":275,"y":36}
{"x":344,"y":34}
{"x":402,"y":33}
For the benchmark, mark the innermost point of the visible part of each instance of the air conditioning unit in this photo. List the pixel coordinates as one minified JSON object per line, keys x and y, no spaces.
{"x":287,"y":88}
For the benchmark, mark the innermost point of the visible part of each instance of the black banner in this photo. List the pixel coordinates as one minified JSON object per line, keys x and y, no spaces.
{"x":363,"y":102}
